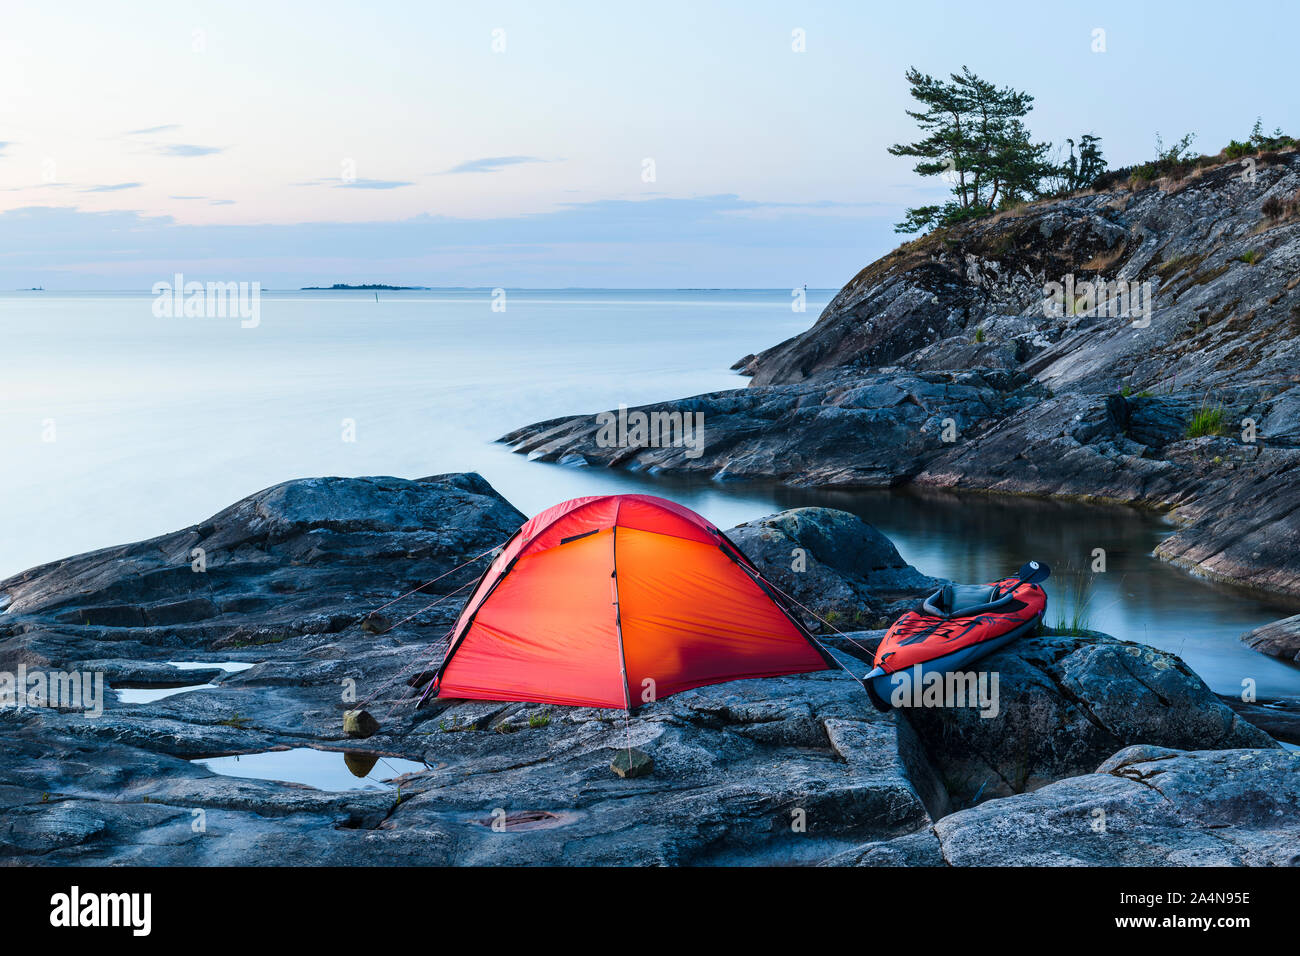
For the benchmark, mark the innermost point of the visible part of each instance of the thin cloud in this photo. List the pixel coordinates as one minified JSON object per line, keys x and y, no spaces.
{"x":148,"y":130}
{"x":375,"y":184}
{"x":173,"y":149}
{"x":187,"y":149}
{"x":357,"y":183}
{"x":19,"y":189}
{"x":112,"y":187}
{"x":4,"y":144}
{"x":490,"y":164}
{"x":827,"y":204}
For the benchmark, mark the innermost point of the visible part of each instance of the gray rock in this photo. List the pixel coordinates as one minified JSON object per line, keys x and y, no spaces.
{"x":271,"y":554}
{"x":1145,"y":806}
{"x":838,"y":567}
{"x":736,"y":765}
{"x":798,"y":769}
{"x":124,"y":673}
{"x":359,"y":723}
{"x":847,"y":433}
{"x":1064,"y":704}
{"x":290,"y":571}
{"x":1211,"y":315}
{"x":1279,"y":717}
{"x":915,"y":849}
{"x":1278,"y":639}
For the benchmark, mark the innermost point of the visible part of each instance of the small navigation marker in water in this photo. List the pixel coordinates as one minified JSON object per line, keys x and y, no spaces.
{"x":359,"y":723}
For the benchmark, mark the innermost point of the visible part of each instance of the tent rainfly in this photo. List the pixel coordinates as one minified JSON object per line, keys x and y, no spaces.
{"x":616,"y":601}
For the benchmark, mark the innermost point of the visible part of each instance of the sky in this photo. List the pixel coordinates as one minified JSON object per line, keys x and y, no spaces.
{"x":512,"y":144}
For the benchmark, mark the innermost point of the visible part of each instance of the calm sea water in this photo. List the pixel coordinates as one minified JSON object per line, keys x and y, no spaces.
{"x":119,"y":425}
{"x":160,"y":422}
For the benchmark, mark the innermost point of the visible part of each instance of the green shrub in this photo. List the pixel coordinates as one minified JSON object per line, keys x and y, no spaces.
{"x":1144,"y":173}
{"x":1262,"y":142}
{"x":1207,"y":420}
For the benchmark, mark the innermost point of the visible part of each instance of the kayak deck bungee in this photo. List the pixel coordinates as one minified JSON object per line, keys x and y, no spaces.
{"x":956,"y":625}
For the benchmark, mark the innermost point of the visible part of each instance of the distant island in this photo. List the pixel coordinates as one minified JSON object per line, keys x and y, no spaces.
{"x":343,"y":287}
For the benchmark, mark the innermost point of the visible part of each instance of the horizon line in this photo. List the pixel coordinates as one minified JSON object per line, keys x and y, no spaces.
{"x":480,"y":288}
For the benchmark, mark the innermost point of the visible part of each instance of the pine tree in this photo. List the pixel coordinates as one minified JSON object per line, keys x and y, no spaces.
{"x":1079,"y":170}
{"x":976,"y":138}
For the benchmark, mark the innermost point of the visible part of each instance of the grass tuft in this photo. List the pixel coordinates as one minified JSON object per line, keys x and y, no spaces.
{"x":1076,"y":620}
{"x":1207,"y":420}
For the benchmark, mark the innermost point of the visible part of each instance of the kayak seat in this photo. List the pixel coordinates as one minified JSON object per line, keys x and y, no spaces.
{"x":956,"y":600}
{"x":958,"y":597}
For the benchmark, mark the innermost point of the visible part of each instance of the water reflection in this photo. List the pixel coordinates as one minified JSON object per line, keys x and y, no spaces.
{"x":148,"y":695}
{"x":359,"y":764}
{"x":322,"y":769}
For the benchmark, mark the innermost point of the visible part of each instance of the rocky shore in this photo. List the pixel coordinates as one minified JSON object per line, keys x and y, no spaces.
{"x":975,"y":358}
{"x":1101,"y":752}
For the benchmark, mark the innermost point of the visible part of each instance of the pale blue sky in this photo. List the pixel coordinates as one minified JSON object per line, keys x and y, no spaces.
{"x":297,"y":143}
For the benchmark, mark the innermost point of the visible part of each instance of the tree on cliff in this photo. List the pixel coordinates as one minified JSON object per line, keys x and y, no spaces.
{"x":1078,"y":170}
{"x":976,"y":140}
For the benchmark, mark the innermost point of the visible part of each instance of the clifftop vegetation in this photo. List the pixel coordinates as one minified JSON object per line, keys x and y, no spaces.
{"x":975,"y":137}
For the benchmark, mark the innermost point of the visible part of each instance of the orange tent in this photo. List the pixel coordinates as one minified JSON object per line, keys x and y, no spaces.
{"x":615,"y":601}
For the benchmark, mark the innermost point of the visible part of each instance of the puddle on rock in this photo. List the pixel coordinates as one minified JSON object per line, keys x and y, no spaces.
{"x":322,"y":769}
{"x":147,"y":695}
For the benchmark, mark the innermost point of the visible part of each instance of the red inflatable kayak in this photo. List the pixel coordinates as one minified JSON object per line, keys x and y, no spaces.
{"x":958,"y":624}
